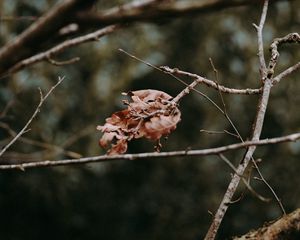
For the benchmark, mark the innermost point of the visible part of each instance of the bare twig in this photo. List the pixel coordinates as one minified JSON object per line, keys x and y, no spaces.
{"x":54,"y":148}
{"x":260,"y":42}
{"x":289,"y":38}
{"x":37,"y":110}
{"x":248,"y":186}
{"x":140,"y":156}
{"x":211,"y":83}
{"x":61,"y":47}
{"x":61,"y":63}
{"x":219,"y":132}
{"x":182,"y":93}
{"x":267,"y":80}
{"x":286,"y":73}
{"x":157,"y":68}
{"x":261,"y":178}
{"x":6,"y":108}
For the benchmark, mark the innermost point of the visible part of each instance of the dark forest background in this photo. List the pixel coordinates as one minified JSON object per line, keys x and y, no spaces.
{"x":147,"y":199}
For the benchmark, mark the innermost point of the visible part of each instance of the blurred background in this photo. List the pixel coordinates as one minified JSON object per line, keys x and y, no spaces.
{"x":153,"y":198}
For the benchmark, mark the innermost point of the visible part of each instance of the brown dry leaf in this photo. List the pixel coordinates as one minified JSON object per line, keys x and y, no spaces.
{"x":150,"y":114}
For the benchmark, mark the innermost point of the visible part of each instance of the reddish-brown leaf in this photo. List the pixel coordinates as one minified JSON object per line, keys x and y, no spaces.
{"x":150,"y":114}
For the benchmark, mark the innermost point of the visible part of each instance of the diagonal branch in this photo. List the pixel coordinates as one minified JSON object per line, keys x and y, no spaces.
{"x":41,"y":35}
{"x":140,"y":156}
{"x":94,"y":36}
{"x":29,"y":42}
{"x":286,"y":227}
{"x":258,"y":123}
{"x":211,"y":83}
{"x":37,"y":110}
{"x":260,"y":42}
{"x":285,"y":73}
{"x":267,"y":77}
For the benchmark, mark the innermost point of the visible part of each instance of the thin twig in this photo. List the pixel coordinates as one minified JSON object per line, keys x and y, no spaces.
{"x":6,"y":108}
{"x":210,"y":83}
{"x":140,"y":156}
{"x":261,"y":178}
{"x":151,"y":65}
{"x":61,"y":63}
{"x":172,"y":75}
{"x":37,"y":110}
{"x":260,"y":42}
{"x":286,"y":73}
{"x":248,"y":186}
{"x":219,"y":132}
{"x":54,"y":148}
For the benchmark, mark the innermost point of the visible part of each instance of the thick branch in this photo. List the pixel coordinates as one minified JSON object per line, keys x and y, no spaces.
{"x":29,"y":42}
{"x":41,"y":34}
{"x":140,"y":156}
{"x":94,"y":36}
{"x":260,"y":43}
{"x":287,"y":227}
{"x":158,"y":11}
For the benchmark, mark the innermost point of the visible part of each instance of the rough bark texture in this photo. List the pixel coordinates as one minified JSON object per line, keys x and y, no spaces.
{"x":287,"y":227}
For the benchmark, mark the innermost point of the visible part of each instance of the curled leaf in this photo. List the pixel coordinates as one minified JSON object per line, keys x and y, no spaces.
{"x":150,"y":114}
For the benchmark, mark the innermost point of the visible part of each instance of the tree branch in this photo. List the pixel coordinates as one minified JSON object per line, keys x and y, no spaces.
{"x":94,"y":36}
{"x":37,"y":110}
{"x":29,"y":42}
{"x":140,"y":156}
{"x":286,"y":227}
{"x":262,"y":105}
{"x":260,"y":42}
{"x":36,"y":38}
{"x":267,"y":77}
{"x":285,"y":73}
{"x":211,"y":83}
{"x":172,"y":9}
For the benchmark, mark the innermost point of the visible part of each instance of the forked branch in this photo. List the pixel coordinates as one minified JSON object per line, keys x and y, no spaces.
{"x":267,"y":79}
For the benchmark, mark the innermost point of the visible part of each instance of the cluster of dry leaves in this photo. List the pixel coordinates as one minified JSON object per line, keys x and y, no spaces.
{"x":150,"y":114}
